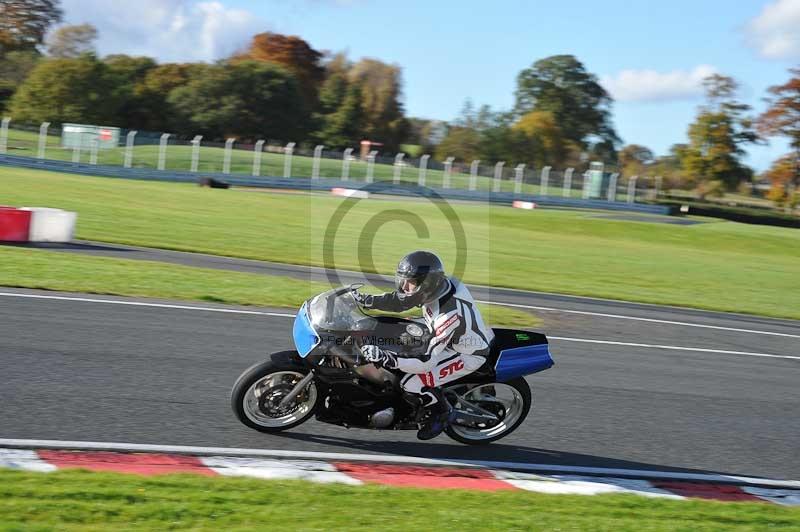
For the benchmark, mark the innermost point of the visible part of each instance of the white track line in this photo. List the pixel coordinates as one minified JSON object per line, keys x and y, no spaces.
{"x":636,"y":318}
{"x":142,"y":304}
{"x":389,"y":459}
{"x":671,"y":347}
{"x":282,"y":315}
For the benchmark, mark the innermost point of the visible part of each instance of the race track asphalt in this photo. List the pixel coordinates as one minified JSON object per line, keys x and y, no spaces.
{"x":93,"y":371}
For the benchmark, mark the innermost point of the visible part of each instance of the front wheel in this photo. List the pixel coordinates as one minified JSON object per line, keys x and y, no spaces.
{"x":258,"y":391}
{"x":510,"y":401}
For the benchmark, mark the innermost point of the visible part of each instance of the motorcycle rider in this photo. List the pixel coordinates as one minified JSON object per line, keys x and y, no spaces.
{"x":460,"y":341}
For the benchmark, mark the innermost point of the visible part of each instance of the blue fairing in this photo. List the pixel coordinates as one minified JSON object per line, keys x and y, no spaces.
{"x":520,"y":361}
{"x":305,"y":338}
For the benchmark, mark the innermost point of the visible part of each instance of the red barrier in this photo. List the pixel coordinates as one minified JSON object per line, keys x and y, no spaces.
{"x":15,"y":224}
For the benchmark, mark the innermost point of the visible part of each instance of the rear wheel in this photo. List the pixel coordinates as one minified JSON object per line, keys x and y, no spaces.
{"x":509,"y":401}
{"x":257,"y":394}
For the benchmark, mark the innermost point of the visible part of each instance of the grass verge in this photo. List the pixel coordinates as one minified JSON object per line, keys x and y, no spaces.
{"x":50,"y":270}
{"x":80,"y":500}
{"x":719,"y":266}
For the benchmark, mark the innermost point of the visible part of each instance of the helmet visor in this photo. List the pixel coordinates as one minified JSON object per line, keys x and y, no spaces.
{"x":407,"y":285}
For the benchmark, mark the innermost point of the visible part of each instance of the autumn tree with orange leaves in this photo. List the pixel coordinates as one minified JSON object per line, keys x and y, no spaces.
{"x":782,"y":118}
{"x":293,"y":53}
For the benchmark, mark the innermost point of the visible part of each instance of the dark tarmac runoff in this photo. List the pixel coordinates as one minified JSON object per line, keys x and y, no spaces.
{"x":634,"y":386}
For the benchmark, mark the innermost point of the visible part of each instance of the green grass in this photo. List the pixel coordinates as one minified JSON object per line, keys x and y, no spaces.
{"x":272,"y":164}
{"x":720,"y":266}
{"x":101,"y":275}
{"x":81,"y":501}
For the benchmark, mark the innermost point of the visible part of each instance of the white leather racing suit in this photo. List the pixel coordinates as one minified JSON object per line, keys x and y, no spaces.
{"x":460,"y":341}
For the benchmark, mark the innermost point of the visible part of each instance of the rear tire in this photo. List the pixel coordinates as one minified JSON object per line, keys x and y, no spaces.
{"x":274,"y":377}
{"x":521,"y":387}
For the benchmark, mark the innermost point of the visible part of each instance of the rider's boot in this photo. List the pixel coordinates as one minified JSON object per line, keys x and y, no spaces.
{"x":440,"y":414}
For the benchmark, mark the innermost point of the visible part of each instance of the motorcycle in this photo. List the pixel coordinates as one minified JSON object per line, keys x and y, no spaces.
{"x":327,"y":377}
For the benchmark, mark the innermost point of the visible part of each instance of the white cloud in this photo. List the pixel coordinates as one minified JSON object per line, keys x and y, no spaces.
{"x":169,"y":30}
{"x":654,"y":86}
{"x":775,"y":32}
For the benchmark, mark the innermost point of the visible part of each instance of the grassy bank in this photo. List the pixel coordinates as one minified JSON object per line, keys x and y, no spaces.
{"x":100,"y":275}
{"x":79,"y":500}
{"x":211,"y":159}
{"x":720,"y":266}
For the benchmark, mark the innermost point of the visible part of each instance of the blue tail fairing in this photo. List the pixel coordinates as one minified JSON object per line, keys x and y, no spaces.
{"x":520,"y":361}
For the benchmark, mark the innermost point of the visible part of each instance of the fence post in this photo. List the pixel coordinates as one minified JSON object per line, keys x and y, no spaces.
{"x":544,"y":182}
{"x":4,"y":134}
{"x":162,"y":150}
{"x":632,"y":189}
{"x":226,"y":157}
{"x":195,"y":153}
{"x":43,"y":141}
{"x":346,"y":163}
{"x":498,"y":175}
{"x":585,"y":185}
{"x":423,"y":169}
{"x":398,"y":167}
{"x":473,"y":174}
{"x":612,"y":187}
{"x":448,"y":169}
{"x":258,"y":149}
{"x":287,"y":159}
{"x":93,"y":151}
{"x":519,"y":172}
{"x":657,"y":187}
{"x":315,"y":162}
{"x":371,"y":165}
{"x":567,"y":190}
{"x":129,"y":139}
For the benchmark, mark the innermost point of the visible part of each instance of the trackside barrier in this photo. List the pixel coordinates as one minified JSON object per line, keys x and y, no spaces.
{"x":323,"y":184}
{"x":36,"y":224}
{"x":14,"y":224}
{"x":349,"y":193}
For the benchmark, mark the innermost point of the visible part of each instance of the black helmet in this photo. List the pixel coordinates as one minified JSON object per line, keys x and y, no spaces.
{"x":420,"y":277}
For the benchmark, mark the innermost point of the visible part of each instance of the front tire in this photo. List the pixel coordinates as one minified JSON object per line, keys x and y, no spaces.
{"x":516,"y":399}
{"x":257,"y":392}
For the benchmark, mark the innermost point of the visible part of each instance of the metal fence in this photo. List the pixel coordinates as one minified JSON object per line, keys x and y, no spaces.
{"x":167,"y":152}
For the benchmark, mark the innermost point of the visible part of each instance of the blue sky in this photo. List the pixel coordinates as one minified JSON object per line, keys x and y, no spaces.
{"x":649,"y":55}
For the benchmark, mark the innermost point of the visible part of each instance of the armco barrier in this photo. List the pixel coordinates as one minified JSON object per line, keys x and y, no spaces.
{"x":304,"y":183}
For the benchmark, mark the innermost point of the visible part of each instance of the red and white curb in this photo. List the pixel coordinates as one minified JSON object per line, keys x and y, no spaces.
{"x":375,"y":470}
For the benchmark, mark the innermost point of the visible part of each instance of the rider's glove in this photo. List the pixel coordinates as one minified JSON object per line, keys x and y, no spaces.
{"x":382,"y":357}
{"x":365,"y":300}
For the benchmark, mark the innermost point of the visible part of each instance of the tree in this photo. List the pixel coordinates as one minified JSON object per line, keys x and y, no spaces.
{"x":381,"y":93}
{"x":344,"y":125}
{"x":72,"y":41}
{"x":292,"y":52}
{"x":783,"y":175}
{"x":24,"y":23}
{"x":561,"y":85}
{"x":126,"y":74}
{"x":633,"y":159}
{"x":717,"y":135}
{"x":248,"y":99}
{"x":14,"y":68}
{"x":153,"y":91}
{"x":66,"y":90}
{"x":547,"y":142}
{"x":461,"y":142}
{"x":782,"y":117}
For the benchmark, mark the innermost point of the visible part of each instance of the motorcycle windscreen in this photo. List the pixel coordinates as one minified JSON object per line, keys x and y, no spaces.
{"x":520,"y":361}
{"x":305,"y":338}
